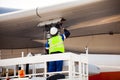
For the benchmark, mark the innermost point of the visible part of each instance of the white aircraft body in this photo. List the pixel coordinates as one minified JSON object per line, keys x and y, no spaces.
{"x":95,"y":25}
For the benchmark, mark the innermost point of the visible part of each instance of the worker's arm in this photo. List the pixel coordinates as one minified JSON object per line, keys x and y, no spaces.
{"x":47,"y":47}
{"x":65,"y":35}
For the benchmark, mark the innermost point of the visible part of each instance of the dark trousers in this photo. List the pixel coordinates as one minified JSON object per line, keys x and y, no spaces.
{"x":55,"y":66}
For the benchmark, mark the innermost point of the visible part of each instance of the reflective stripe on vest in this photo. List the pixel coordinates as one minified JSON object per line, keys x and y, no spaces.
{"x":56,"y":44}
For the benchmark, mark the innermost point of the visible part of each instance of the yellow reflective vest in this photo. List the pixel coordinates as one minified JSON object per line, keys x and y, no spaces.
{"x":56,"y":44}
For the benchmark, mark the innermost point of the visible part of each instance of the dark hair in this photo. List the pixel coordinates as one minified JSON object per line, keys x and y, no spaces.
{"x":19,"y":68}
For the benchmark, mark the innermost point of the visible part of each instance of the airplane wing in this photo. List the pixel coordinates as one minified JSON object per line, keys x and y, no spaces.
{"x":96,"y":25}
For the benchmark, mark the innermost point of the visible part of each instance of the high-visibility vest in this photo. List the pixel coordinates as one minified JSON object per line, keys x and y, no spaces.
{"x":21,"y":73}
{"x":56,"y":44}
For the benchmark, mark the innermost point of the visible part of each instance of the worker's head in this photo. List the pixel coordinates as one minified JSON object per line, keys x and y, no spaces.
{"x":53,"y":31}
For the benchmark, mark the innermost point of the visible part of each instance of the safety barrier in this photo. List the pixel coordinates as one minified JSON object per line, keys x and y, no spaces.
{"x":75,"y":66}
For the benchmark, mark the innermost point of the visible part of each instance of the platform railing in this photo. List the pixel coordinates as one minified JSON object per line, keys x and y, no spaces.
{"x":77,"y":65}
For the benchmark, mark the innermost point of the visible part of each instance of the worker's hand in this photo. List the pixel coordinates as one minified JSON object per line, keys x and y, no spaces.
{"x":63,"y":28}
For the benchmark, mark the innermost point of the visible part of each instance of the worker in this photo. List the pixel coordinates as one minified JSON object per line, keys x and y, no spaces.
{"x":55,"y":45}
{"x":21,"y":73}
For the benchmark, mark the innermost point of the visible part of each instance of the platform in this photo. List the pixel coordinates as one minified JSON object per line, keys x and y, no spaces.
{"x":77,"y":66}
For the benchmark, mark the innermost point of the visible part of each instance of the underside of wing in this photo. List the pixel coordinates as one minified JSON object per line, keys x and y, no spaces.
{"x":96,"y":25}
